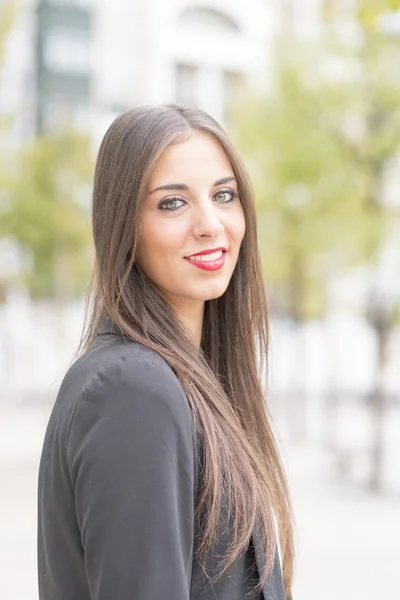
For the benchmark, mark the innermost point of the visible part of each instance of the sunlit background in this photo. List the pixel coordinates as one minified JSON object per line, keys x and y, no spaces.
{"x":310,"y":92}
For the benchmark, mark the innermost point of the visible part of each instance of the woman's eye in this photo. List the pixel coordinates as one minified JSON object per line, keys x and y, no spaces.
{"x":225,"y":196}
{"x":170,"y":204}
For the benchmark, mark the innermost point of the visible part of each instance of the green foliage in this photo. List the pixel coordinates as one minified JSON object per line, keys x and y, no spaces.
{"x":368,"y":11}
{"x":317,"y":150}
{"x":43,"y":191}
{"x":396,"y":315}
{"x":7,"y":16}
{"x":7,"y":11}
{"x":44,"y":215}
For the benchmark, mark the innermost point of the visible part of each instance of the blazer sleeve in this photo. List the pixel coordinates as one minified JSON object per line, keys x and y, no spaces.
{"x":131,"y":459}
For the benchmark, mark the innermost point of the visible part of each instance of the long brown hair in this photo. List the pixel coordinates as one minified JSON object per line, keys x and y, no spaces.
{"x":222,"y":379}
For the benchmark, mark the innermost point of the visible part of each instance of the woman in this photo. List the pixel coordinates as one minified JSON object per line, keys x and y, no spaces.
{"x":160,"y":476}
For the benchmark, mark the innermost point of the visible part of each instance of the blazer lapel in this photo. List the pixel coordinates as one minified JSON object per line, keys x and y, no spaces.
{"x":273,"y":588}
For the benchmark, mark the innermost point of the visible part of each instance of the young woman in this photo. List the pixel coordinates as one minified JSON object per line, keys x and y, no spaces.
{"x":160,"y":476}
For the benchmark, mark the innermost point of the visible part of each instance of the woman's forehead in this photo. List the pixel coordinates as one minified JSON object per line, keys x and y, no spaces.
{"x":200,"y":155}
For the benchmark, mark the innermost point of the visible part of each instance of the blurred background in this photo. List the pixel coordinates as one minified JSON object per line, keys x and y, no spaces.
{"x":310,"y":92}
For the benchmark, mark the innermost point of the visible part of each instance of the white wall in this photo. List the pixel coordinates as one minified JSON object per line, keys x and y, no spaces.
{"x":139,"y":44}
{"x":17,"y":96}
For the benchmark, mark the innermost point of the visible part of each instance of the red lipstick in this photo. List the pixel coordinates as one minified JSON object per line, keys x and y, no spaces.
{"x":208,"y":265}
{"x":209,"y":251}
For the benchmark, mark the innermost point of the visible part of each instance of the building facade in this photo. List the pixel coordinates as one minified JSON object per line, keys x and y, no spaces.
{"x":180,"y":51}
{"x":83,"y":61}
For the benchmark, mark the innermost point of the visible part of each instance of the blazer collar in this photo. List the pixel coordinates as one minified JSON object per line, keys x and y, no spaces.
{"x":108,"y":327}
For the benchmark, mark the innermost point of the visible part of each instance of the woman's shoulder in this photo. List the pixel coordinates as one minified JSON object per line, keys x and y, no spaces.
{"x":119,"y":380}
{"x":118,"y":356}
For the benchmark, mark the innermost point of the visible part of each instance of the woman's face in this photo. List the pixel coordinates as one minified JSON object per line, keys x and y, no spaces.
{"x":191,"y":206}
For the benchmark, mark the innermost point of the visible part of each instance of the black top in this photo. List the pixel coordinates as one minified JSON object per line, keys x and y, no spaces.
{"x":118,"y":487}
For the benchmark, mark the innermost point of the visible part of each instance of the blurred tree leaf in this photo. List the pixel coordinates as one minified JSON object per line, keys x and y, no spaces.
{"x":367,"y":12}
{"x":44,"y":214}
{"x":7,"y":12}
{"x":41,"y":191}
{"x":7,"y":16}
{"x":317,"y":151}
{"x":396,"y":315}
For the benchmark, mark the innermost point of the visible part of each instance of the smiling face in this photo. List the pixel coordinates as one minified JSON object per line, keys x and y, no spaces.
{"x":192,"y":205}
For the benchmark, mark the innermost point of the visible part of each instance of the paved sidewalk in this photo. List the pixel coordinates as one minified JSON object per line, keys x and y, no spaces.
{"x":21,"y":433}
{"x":348,"y":540}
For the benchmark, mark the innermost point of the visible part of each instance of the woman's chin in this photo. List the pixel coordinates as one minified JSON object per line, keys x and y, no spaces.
{"x":214,"y":290}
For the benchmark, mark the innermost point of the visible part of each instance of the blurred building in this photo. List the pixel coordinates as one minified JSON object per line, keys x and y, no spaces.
{"x":180,"y":50}
{"x":46,"y":71}
{"x":62,"y":67}
{"x":86,"y":60}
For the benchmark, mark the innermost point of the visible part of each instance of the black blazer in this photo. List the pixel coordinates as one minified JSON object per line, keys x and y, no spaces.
{"x":118,"y":487}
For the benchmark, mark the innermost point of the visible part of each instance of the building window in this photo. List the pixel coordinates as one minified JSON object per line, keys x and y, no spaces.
{"x":209,"y":19}
{"x":186,"y":83}
{"x":67,"y":52}
{"x":79,"y":3}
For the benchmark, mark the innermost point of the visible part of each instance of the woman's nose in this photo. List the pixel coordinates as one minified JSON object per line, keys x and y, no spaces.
{"x":207,"y":223}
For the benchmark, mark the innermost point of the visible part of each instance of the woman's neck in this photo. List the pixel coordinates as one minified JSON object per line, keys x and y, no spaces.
{"x":191,"y":315}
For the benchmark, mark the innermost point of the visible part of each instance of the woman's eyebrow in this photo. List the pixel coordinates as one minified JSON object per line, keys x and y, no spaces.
{"x":170,"y":186}
{"x":184,"y":187}
{"x":224,"y":180}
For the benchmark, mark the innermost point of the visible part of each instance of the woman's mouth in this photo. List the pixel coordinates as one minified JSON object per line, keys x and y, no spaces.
{"x":208,"y":262}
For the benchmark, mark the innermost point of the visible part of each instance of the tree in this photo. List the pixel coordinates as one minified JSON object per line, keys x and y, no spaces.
{"x":318,"y":148}
{"x":311,"y":203}
{"x":43,"y":191}
{"x":47,"y":213}
{"x":378,"y":147}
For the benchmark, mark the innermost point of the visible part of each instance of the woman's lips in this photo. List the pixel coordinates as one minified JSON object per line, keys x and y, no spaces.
{"x":208,"y":265}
